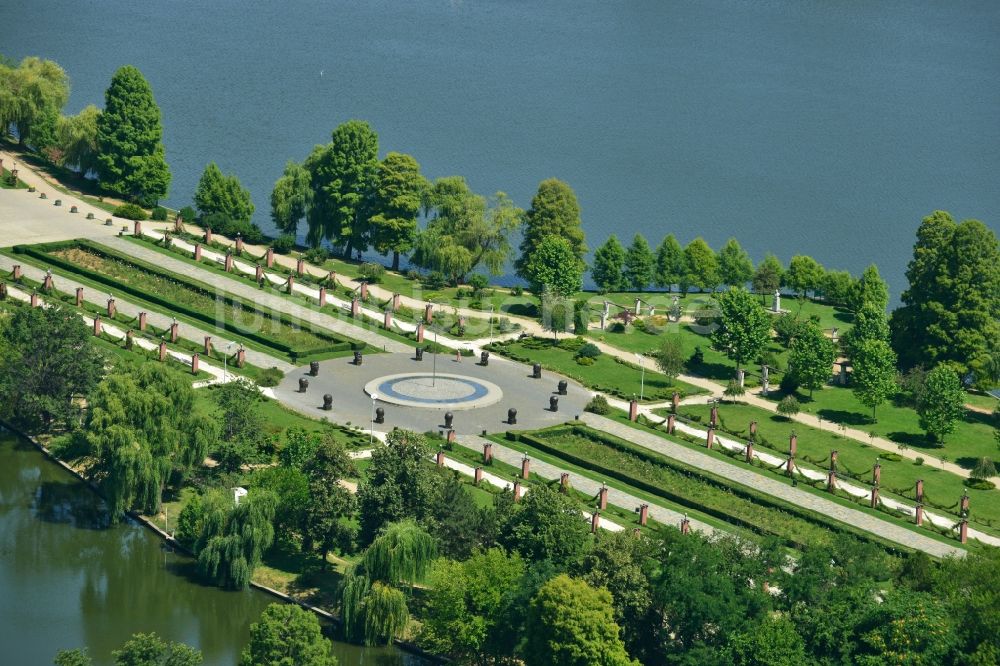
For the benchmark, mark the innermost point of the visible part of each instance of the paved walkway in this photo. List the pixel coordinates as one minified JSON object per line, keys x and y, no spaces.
{"x":158,"y":320}
{"x":746,"y":477}
{"x":274,"y":302}
{"x":585,"y":485}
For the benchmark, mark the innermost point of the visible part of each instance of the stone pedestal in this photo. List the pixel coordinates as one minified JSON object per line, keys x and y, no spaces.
{"x":269,"y":257}
{"x":713,"y":418}
{"x":633,"y":409}
{"x":208,"y":345}
{"x":553,"y":403}
{"x":387,"y":320}
{"x":322,"y":296}
{"x":290,"y":285}
{"x":197,"y":251}
{"x":685,"y":526}
{"x":602,"y":498}
{"x":511,"y":416}
{"x":327,"y":402}
{"x":364,"y":291}
{"x":241,"y":357}
{"x":478,"y":475}
{"x":439,"y":458}
{"x":142,"y":321}
{"x":428,"y":313}
{"x":355,"y":308}
{"x":517,"y":491}
{"x":595,"y":522}
{"x":749,"y":452}
{"x":174,"y":332}
{"x":564,"y":482}
{"x":420,"y":332}
{"x":208,"y":235}
{"x":79,"y":297}
{"x":536,"y":371}
{"x":300,"y":267}
{"x":671,"y":423}
{"x":137,"y":229}
{"x":397,"y":300}
{"x":562,"y":386}
{"x":97,"y":326}
{"x":675,"y":401}
{"x":259,"y":273}
{"x":753,"y":428}
{"x":112,"y":308}
{"x":793,"y":444}
{"x":487,"y":453}
{"x":451,"y":436}
{"x":163,"y":351}
{"x":16,"y":272}
{"x":525,"y":467}
{"x":643,"y":514}
{"x":314,"y":368}
{"x":239,"y":245}
{"x":709,"y":437}
{"x":229,"y":262}
{"x":195,"y":362}
{"x":47,"y":281}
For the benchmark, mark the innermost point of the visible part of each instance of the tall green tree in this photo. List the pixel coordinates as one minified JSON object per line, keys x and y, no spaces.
{"x":78,"y":140}
{"x":640,"y":264}
{"x":870,"y":323}
{"x":871,"y":288}
{"x":286,"y":635}
{"x":401,"y":553}
{"x":838,"y":288}
{"x":735,"y":266}
{"x":327,"y":513}
{"x":31,"y":93}
{"x":464,"y":604}
{"x":702,"y":266}
{"x":804,"y":274}
{"x":399,"y":191}
{"x":744,"y":328}
{"x":769,"y":276}
{"x":951,"y":310}
{"x":465,"y":230}
{"x":546,"y":525}
{"x":874,"y":376}
{"x":908,"y":628}
{"x":151,"y":650}
{"x":609,"y":265}
{"x":772,"y":641}
{"x":222,"y":194}
{"x":572,"y":623}
{"x":343,"y":175}
{"x":291,"y":197}
{"x":372,"y":613}
{"x":811,"y":357}
{"x":130,"y":157}
{"x":234,"y":537}
{"x":47,"y":357}
{"x":942,"y":403}
{"x":554,"y":267}
{"x":241,"y":423}
{"x":460,"y":525}
{"x":141,"y":427}
{"x":554,"y":212}
{"x":398,"y":484}
{"x":669,"y":262}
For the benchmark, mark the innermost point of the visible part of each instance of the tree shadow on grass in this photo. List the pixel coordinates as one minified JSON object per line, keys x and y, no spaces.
{"x":844,"y":316}
{"x":913,"y":440}
{"x":844,"y":416}
{"x":522,"y":310}
{"x":967,"y":462}
{"x":712,"y":370}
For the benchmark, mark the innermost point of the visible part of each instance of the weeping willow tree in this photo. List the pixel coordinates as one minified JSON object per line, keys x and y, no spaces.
{"x":403,"y":552}
{"x":234,"y":537}
{"x":374,"y":610}
{"x":372,"y":613}
{"x":141,"y":427}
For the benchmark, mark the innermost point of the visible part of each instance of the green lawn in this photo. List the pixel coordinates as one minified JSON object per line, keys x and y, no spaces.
{"x":606,"y":374}
{"x":814,"y":445}
{"x":982,"y":401}
{"x":5,"y":183}
{"x":972,"y":439}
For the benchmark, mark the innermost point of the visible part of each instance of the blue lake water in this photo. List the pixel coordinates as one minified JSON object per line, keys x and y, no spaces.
{"x":799,"y":127}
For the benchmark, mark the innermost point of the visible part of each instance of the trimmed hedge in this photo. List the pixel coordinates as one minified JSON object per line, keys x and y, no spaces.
{"x":659,"y":461}
{"x":42,"y":253}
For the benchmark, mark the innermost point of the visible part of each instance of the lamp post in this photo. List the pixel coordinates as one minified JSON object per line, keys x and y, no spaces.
{"x":434,"y":367}
{"x":642,"y":375}
{"x":491,"y":324}
{"x":371,"y":435}
{"x":225,"y":362}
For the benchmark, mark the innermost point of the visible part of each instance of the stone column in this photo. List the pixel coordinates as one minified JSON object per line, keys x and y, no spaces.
{"x":428,"y":313}
{"x":831,"y":480}
{"x":300,"y":267}
{"x":741,"y":377}
{"x":874,"y":498}
{"x":749,"y":451}
{"x":604,"y":321}
{"x":331,"y":278}
{"x":269,"y":257}
{"x":643,"y":514}
{"x":638,"y":307}
{"x":364,"y":291}
{"x":97,"y":326}
{"x":259,"y":273}
{"x":595,"y":522}
{"x":387,"y":319}
{"x":709,"y":437}
{"x":355,"y":307}
{"x":174,"y":334}
{"x":753,"y":428}
{"x":713,"y":418}
{"x":877,"y":473}
{"x":3,"y":290}
{"x":843,"y":374}
{"x":776,"y":306}
{"x":451,"y":436}
{"x":128,"y":339}
{"x":137,"y":229}
{"x":197,"y":251}
{"x":675,"y":401}
{"x":420,"y":332}
{"x":229,"y":262}
{"x":291,"y":284}
{"x":194,"y":363}
{"x":963,"y":531}
{"x":322,"y":296}
{"x":633,"y":409}
{"x":112,"y":309}
{"x":685,"y":525}
{"x":79,"y":297}
{"x":790,"y":466}
{"x":47,"y":281}
{"x":525,"y":467}
{"x":208,"y":235}
{"x":487,"y":453}
{"x":671,"y":423}
{"x":833,"y":461}
{"x":517,"y":490}
{"x":478,"y":475}
{"x":241,"y":357}
{"x":963,"y":504}
{"x":396,"y":302}
{"x":793,"y":444}
{"x":920,"y":490}
{"x":142,"y":321}
{"x":919,"y":514}
{"x":564,"y":482}
{"x":440,"y":458}
{"x":163,"y":351}
{"x":34,"y":299}
{"x":16,"y":272}
{"x":208,"y":345}
{"x":239,"y":244}
{"x":602,"y":497}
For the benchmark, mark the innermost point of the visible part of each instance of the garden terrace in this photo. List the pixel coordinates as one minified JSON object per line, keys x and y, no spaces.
{"x":605,"y":373}
{"x":275,"y":332}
